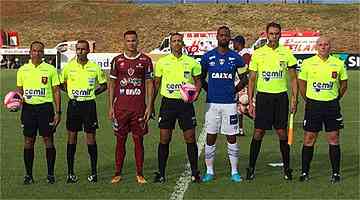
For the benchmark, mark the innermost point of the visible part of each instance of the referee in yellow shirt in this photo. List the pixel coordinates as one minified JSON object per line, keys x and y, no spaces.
{"x":322,"y":83}
{"x":80,"y":78}
{"x":269,"y":68}
{"x":38,"y":83}
{"x":171,"y":72}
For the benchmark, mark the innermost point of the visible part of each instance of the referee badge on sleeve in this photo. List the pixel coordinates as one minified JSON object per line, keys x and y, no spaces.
{"x":44,"y":80}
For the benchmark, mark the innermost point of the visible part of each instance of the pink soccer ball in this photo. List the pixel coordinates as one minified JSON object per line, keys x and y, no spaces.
{"x":188,"y":92}
{"x":13,"y":101}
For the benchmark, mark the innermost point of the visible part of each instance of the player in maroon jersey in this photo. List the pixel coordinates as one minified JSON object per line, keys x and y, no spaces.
{"x":131,"y":78}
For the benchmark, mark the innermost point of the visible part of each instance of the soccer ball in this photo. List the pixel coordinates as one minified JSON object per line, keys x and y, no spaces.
{"x":244,"y":99}
{"x":243,"y":104}
{"x":188,"y":92}
{"x":13,"y":101}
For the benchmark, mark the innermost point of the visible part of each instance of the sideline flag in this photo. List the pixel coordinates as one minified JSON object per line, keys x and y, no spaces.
{"x":291,"y":129}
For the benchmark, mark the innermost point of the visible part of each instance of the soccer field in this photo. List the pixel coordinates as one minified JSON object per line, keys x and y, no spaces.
{"x":268,"y":183}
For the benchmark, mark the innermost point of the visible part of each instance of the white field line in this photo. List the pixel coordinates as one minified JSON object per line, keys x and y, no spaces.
{"x":344,"y":121}
{"x":183,"y":182}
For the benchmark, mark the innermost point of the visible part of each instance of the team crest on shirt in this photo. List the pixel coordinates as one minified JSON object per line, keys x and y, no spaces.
{"x":44,"y":80}
{"x":131,"y":71}
{"x":221,"y":61}
{"x":334,"y":75}
{"x":283,"y":64}
{"x":187,"y":75}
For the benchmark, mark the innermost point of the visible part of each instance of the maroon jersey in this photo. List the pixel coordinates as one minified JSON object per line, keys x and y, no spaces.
{"x":130,"y":75}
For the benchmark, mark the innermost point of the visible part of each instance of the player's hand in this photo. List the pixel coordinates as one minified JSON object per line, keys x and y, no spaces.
{"x":293,"y":106}
{"x":111,"y":114}
{"x":146,"y":117}
{"x":56,"y":121}
{"x":251,"y":109}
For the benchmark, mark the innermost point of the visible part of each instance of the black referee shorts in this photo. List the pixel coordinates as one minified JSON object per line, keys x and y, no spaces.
{"x":81,"y":115}
{"x":318,"y":113}
{"x":271,"y":110}
{"x":37,"y":117}
{"x":176,"y":109}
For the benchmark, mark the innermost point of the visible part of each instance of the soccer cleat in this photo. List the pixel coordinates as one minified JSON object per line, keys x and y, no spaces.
{"x":335,"y":178}
{"x":288,"y":174}
{"x":250,"y":173}
{"x":140,"y":179}
{"x":28,"y":180}
{"x":236,"y":178}
{"x":207,"y":178}
{"x":71,"y":178}
{"x":196,"y":178}
{"x":158,"y":178}
{"x":304,"y":177}
{"x":116,"y":179}
{"x":50,"y":179}
{"x":92,"y":178}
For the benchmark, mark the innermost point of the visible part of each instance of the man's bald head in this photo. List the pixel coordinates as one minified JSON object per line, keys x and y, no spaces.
{"x":323,"y":39}
{"x":323,"y":46}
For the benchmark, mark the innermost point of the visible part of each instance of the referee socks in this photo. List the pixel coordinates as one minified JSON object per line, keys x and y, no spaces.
{"x":28,"y":160}
{"x":254,"y":152}
{"x":70,"y":157}
{"x":93,"y":153}
{"x":163,"y":154}
{"x":335,"y":155}
{"x":307,"y":155}
{"x":192,"y":152}
{"x":50,"y":159}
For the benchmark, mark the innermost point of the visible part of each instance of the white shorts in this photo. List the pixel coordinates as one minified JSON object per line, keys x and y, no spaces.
{"x":221,"y":118}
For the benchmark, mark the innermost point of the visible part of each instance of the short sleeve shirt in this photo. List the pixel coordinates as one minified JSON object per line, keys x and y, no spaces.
{"x":175,"y":72}
{"x":221,"y":69}
{"x":37,"y":82}
{"x":130,"y":75}
{"x":322,"y":77}
{"x":82,"y":80}
{"x":271,"y":66}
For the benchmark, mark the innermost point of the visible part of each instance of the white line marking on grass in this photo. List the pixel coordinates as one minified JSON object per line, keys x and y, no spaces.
{"x":344,"y":121}
{"x":183,"y":182}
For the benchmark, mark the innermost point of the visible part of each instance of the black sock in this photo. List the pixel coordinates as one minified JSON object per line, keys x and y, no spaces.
{"x":335,"y":154}
{"x":50,"y":159}
{"x":29,"y":160}
{"x":163,"y":154}
{"x":93,"y":153}
{"x":254,"y":152}
{"x":285,"y":153}
{"x":192,"y":152}
{"x":70,"y":156}
{"x":307,"y":155}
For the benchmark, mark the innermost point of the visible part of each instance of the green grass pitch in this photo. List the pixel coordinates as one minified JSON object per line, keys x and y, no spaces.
{"x":268,"y":182}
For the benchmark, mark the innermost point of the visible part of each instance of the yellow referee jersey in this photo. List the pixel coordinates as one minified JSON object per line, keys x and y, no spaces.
{"x":322,"y":77}
{"x":82,"y":80}
{"x":271,"y":66}
{"x":37,"y":82}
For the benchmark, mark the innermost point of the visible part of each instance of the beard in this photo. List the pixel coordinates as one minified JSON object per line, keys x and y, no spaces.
{"x":223,"y":44}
